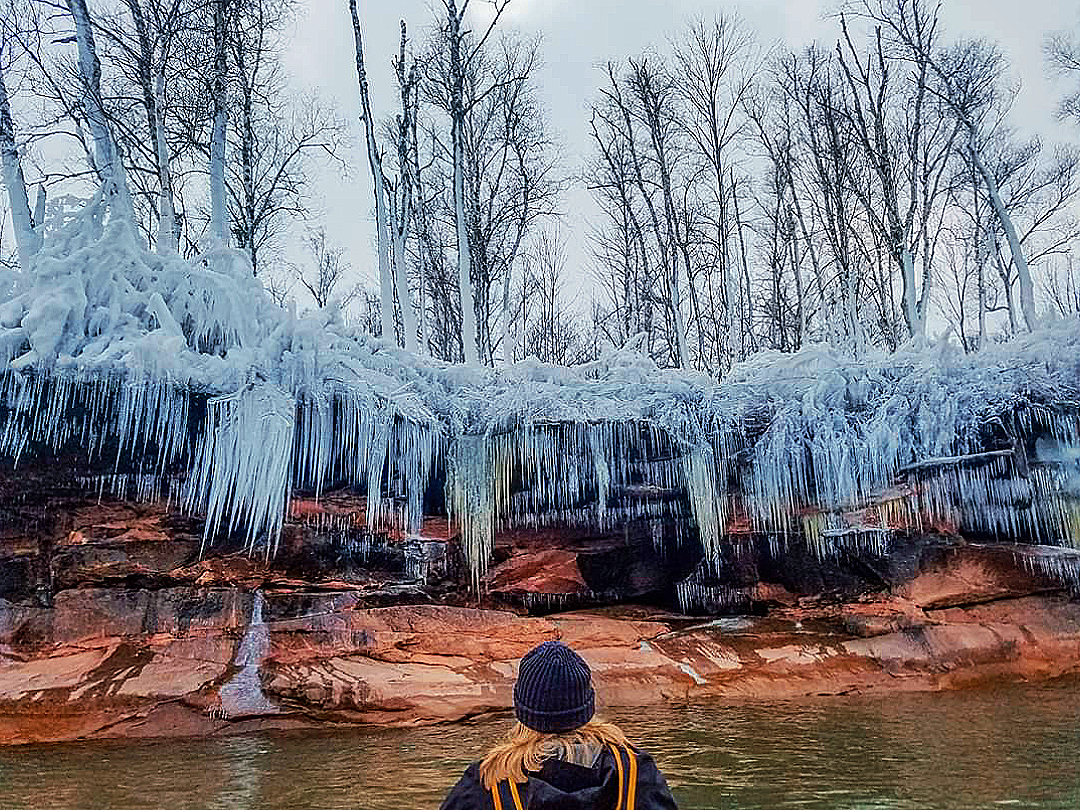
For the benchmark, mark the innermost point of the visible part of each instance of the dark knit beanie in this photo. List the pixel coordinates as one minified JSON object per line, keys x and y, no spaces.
{"x":554,"y":691}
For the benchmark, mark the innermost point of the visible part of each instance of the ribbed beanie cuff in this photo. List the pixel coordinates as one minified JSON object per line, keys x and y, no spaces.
{"x":557,"y":722}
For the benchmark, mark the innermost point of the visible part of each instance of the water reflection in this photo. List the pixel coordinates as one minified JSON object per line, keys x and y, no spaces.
{"x":1006,"y":747}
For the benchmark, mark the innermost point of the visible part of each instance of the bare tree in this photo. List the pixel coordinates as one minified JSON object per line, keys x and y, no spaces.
{"x":551,"y":334}
{"x":400,"y":191}
{"x":218,"y":213}
{"x":273,"y":142}
{"x":142,"y":45}
{"x":964,"y":76}
{"x":714,"y":69}
{"x":1063,"y":286}
{"x":1062,"y":50}
{"x":386,"y":287}
{"x":27,"y":237}
{"x":873,"y":105}
{"x":639,"y":116}
{"x":508,"y":177}
{"x":462,"y":51}
{"x":107,"y":162}
{"x":327,"y":271}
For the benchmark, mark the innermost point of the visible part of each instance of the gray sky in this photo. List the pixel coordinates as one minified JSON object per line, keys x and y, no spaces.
{"x":580,"y":35}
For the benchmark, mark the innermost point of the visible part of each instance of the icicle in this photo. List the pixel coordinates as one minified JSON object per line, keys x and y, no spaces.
{"x":470,"y":488}
{"x":706,"y":504}
{"x":694,"y":596}
{"x":243,"y":464}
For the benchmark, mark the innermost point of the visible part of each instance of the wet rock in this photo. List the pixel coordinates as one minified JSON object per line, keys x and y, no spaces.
{"x":549,"y":571}
{"x":881,"y":617}
{"x":966,"y":574}
{"x":326,"y":658}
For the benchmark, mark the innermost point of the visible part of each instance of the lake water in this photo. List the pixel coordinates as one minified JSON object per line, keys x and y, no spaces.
{"x":1005,"y":747}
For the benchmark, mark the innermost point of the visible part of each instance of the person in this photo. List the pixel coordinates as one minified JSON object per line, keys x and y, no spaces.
{"x":557,"y":755}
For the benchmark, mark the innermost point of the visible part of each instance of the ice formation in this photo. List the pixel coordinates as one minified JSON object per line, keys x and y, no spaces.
{"x":189,"y":381}
{"x":242,"y":695}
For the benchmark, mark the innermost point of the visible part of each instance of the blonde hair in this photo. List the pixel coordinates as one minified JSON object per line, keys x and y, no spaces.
{"x":527,"y":750}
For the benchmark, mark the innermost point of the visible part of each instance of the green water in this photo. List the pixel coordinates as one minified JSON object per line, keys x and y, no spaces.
{"x":1008,"y":747}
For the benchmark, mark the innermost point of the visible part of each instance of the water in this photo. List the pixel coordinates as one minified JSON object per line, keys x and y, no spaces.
{"x":1007,"y":747}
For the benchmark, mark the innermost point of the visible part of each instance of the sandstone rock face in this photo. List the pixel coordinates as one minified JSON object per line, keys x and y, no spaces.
{"x":139,"y":663}
{"x":111,"y":624}
{"x":967,"y":573}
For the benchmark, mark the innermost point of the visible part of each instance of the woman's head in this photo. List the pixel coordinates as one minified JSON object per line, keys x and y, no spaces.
{"x":554,"y":692}
{"x":554,"y":702}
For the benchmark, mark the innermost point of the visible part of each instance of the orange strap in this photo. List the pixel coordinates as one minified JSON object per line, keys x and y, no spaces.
{"x":631,"y":782}
{"x":622,"y":783}
{"x":627,"y":782}
{"x":513,"y":795}
{"x":516,"y":795}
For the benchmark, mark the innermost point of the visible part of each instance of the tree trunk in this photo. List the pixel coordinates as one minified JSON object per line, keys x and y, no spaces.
{"x":168,"y":238}
{"x":401,"y":214}
{"x":982,"y":253}
{"x":747,"y":329}
{"x":106,"y":157}
{"x":386,"y":290}
{"x":248,"y":214}
{"x":219,"y":228}
{"x":457,"y":114}
{"x":1027,"y":288}
{"x":1010,"y":295}
{"x":26,"y":239}
{"x":796,"y":269}
{"x":152,"y":100}
{"x":400,"y":218}
{"x":508,"y":350}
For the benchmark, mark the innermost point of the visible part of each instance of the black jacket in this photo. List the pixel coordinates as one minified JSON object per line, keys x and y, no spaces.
{"x":561,"y":785}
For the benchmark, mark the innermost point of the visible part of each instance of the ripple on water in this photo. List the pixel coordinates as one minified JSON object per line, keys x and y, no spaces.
{"x":1005,"y":747}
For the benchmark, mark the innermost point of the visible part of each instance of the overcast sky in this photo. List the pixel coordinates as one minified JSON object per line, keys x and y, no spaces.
{"x":577,"y":37}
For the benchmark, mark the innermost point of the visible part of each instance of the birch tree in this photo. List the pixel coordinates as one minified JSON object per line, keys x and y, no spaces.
{"x":623,"y":260}
{"x":509,"y":176}
{"x":274,"y":140}
{"x":873,"y":101}
{"x":27,"y":239}
{"x":963,"y":76}
{"x":107,"y":160}
{"x":401,"y":192}
{"x":462,"y":52}
{"x":638,"y":110}
{"x":218,"y":202}
{"x":386,"y":289}
{"x":145,"y":42}
{"x":715,"y":63}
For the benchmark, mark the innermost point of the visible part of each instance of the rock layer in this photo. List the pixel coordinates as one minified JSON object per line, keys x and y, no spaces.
{"x":106,"y":662}
{"x":112,"y":624}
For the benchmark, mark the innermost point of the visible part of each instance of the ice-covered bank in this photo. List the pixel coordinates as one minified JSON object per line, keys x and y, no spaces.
{"x":177,"y":450}
{"x":184,"y":380}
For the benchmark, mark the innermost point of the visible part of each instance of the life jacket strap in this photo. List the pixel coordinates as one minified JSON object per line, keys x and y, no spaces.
{"x":627,"y":779}
{"x":514,"y":795}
